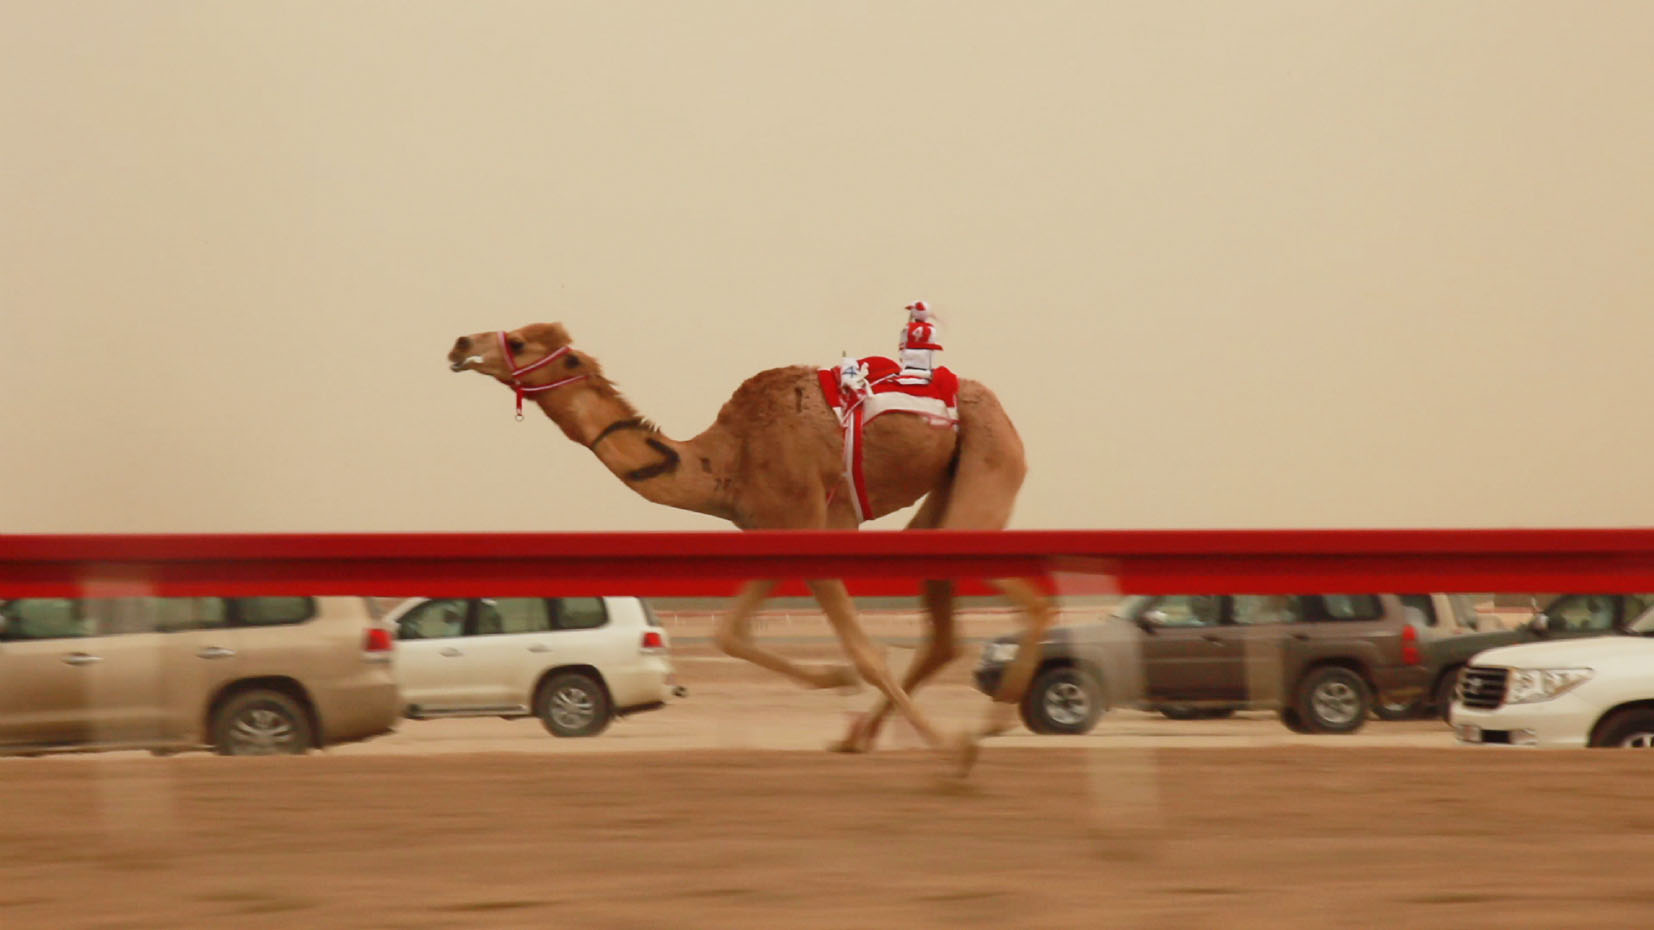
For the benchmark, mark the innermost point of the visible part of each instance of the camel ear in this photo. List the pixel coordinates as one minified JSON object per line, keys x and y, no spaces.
{"x":552,"y":335}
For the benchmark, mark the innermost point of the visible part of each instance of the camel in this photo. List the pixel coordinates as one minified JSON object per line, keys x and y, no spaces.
{"x":773,"y":460}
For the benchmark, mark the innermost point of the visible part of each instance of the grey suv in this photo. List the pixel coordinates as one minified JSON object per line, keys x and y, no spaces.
{"x":241,"y":675}
{"x":1321,"y":660}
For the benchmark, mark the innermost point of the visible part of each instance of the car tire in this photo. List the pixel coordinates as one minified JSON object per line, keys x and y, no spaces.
{"x":1062,"y":700}
{"x":573,"y":704}
{"x":1632,"y":728}
{"x":1332,"y":699}
{"x":261,"y":723}
{"x":1446,"y":686}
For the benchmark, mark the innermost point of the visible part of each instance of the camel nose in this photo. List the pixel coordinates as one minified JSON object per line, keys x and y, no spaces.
{"x":462,"y":344}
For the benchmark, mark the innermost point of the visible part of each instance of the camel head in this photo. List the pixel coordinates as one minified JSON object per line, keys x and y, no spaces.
{"x":537,"y":361}
{"x":486,"y":354}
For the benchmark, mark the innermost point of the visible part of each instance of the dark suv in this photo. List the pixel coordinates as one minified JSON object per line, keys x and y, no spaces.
{"x":1319,"y":659}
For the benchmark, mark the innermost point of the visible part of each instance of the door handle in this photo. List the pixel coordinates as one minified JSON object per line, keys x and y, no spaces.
{"x":1214,"y":640}
{"x":539,"y":647}
{"x":215,"y":652}
{"x":449,"y":651}
{"x":81,"y":658}
{"x":1301,"y":637}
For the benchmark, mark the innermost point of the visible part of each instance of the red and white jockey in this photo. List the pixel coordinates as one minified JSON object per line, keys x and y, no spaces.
{"x":921,"y":340}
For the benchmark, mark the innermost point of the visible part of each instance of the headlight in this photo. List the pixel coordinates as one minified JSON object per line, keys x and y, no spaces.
{"x":1531,"y":685}
{"x":998,"y":653}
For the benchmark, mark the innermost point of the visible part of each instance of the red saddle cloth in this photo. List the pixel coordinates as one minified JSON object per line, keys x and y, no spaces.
{"x":881,"y":375}
{"x":937,"y":402}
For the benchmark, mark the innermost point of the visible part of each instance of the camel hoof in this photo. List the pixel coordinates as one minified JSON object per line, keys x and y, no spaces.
{"x":962,"y":756}
{"x":858,"y":740}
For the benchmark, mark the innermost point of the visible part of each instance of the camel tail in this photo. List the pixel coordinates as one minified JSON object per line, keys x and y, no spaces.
{"x":989,"y":465}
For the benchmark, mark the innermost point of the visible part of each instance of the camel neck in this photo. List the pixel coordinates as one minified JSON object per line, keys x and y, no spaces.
{"x":662,"y":470}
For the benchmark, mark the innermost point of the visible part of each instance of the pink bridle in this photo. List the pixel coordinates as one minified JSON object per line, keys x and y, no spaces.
{"x":516,"y":373}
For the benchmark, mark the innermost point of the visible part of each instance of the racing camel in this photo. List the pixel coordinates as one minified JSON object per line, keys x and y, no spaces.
{"x":774,"y":459}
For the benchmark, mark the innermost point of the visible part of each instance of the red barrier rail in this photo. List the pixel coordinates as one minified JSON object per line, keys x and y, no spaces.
{"x":879,"y":562}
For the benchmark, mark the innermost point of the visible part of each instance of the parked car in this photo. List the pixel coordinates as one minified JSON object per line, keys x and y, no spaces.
{"x":1585,"y":692}
{"x":576,"y":663}
{"x":1566,"y":616}
{"x":1319,"y":660}
{"x":241,"y":675}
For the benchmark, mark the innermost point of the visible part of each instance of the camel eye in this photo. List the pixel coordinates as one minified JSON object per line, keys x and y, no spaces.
{"x":515,"y":344}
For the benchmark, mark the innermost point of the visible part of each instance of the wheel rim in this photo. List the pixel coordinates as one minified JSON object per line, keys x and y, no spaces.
{"x":572,"y":708}
{"x":1642,"y":739}
{"x":1336,"y":702}
{"x":1067,"y":703}
{"x":262,"y":731}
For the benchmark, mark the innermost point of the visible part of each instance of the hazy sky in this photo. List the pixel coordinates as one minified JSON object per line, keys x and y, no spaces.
{"x":1227,"y":264}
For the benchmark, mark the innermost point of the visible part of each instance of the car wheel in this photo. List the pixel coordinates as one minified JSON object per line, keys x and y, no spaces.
{"x":1333,"y":699}
{"x":1632,"y":728}
{"x":261,"y":723}
{"x":1063,"y":700}
{"x":574,"y":704}
{"x":1446,"y":687}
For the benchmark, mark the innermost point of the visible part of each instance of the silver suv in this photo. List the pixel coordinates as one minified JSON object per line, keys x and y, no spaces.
{"x":241,"y":675}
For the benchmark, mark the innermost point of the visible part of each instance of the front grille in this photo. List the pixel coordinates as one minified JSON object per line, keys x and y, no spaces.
{"x":1482,"y":688}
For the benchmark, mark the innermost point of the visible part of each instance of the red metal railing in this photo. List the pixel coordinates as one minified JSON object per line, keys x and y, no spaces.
{"x":890,"y":562}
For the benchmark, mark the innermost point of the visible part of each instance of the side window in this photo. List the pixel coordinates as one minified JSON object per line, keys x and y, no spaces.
{"x":44,"y":618}
{"x":1256,"y":609}
{"x":273,"y":611}
{"x":580,"y":613}
{"x":1346,"y":607}
{"x":438,"y":619}
{"x":181,"y":614}
{"x":1584,"y":613}
{"x":513,"y":615}
{"x":1424,"y":604}
{"x":1183,"y":610}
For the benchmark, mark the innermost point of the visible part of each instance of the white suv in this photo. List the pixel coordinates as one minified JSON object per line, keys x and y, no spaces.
{"x":574,"y":662}
{"x":1571,"y":693}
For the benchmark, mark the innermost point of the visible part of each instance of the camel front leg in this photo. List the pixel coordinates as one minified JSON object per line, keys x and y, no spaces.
{"x":841,"y":613}
{"x":734,"y":636}
{"x":940,"y":647}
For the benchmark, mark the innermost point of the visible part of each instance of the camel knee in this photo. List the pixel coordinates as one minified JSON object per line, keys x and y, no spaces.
{"x":732,"y":639}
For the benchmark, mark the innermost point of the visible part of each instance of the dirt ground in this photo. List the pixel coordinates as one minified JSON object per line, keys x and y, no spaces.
{"x":722,"y":812}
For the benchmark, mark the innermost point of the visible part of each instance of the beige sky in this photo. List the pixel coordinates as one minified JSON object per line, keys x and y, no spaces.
{"x":1228,"y":264}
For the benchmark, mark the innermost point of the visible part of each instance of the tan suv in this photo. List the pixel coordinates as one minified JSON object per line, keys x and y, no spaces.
{"x":241,"y":675}
{"x":1321,"y":660}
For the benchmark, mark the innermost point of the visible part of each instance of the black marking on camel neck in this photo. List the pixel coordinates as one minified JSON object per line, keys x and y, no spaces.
{"x":617,"y":426}
{"x":668,"y":456}
{"x":668,"y":462}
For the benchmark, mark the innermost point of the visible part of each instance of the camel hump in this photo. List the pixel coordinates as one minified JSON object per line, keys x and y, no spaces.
{"x":990,"y":465}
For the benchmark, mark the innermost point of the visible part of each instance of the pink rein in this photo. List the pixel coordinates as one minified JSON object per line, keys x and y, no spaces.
{"x":517,"y":373}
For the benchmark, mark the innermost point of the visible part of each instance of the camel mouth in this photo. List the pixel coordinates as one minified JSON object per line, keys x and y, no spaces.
{"x":465,"y":363}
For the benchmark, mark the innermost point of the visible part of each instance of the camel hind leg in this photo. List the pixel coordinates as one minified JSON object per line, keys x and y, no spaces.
{"x":940,"y":643}
{"x":989,"y":473}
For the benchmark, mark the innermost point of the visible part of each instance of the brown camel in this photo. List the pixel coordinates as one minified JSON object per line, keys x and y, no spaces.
{"x":773,"y":460}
